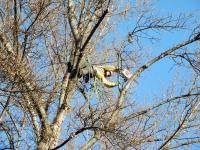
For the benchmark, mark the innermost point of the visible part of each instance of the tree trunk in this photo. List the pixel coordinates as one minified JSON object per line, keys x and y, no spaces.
{"x":48,"y":143}
{"x":48,"y":139}
{"x":43,"y":146}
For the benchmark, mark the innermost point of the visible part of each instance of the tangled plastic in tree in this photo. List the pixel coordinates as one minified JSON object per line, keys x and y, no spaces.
{"x":101,"y":74}
{"x":88,"y":71}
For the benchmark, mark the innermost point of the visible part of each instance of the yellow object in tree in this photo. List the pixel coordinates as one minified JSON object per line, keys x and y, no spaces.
{"x":100,"y":74}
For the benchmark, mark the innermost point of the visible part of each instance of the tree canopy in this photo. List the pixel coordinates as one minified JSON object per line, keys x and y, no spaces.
{"x":45,"y":104}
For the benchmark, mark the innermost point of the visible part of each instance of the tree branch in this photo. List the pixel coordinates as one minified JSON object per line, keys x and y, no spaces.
{"x":144,"y":67}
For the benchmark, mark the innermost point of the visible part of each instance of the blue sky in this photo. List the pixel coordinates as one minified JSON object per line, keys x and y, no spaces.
{"x":160,"y":75}
{"x":179,"y":5}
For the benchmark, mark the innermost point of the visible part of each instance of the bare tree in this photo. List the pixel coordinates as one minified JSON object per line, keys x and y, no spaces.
{"x":45,"y":104}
